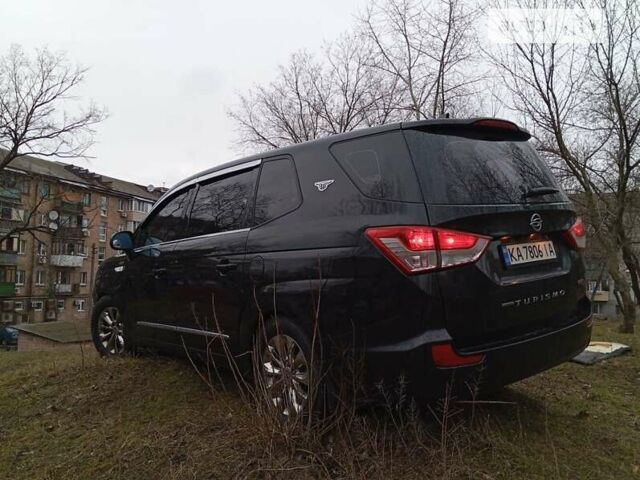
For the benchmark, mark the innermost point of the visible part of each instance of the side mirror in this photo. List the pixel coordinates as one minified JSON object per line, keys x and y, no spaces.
{"x":122,"y":241}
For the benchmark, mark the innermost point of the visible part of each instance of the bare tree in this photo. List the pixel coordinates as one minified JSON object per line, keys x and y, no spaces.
{"x":283,"y":112}
{"x":315,"y":96}
{"x":35,"y":93}
{"x":583,"y":103}
{"x":429,"y":47}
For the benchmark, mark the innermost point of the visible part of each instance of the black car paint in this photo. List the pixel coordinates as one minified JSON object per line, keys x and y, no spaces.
{"x":318,"y":254}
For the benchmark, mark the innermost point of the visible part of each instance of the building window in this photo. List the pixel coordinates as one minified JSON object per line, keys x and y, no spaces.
{"x":45,"y":189}
{"x":10,"y":244}
{"x":40,"y":277}
{"x":80,"y":304}
{"x":7,"y":274}
{"x":123,"y":204}
{"x":22,"y":247}
{"x":104,"y":205}
{"x":9,"y":212}
{"x":60,"y":305}
{"x":102,"y":253}
{"x":18,"y":305}
{"x":86,"y":199}
{"x":24,"y":185}
{"x":20,"y":277}
{"x":63,"y":277}
{"x":141,"y":206}
{"x":42,"y":248}
{"x":37,"y":305}
{"x":83,"y":278}
{"x":131,"y":226}
{"x":103,"y":232}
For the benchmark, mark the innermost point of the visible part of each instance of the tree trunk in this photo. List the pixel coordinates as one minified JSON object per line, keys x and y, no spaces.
{"x":631,"y":261}
{"x":622,"y":285}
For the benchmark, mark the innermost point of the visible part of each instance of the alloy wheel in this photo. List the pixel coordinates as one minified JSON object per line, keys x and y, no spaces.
{"x":111,"y":331}
{"x":286,"y":375}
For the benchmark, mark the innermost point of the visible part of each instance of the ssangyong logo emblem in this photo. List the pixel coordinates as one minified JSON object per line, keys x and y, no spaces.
{"x":323,"y":185}
{"x":536,"y":222}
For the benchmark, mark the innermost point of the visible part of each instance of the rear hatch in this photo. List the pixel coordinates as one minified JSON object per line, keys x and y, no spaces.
{"x":488,"y":180}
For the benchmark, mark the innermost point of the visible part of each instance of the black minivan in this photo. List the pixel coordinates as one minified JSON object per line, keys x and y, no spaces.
{"x":428,"y":248}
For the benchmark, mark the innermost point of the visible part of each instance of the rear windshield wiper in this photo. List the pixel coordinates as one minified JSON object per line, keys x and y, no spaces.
{"x":539,"y":191}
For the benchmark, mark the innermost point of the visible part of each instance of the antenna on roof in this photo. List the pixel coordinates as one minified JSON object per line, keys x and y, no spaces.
{"x":150,"y":188}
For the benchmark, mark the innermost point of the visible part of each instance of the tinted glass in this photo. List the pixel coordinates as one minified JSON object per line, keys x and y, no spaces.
{"x":222,"y":204}
{"x":278,"y":191}
{"x":167,"y":223}
{"x":457,"y":170}
{"x":380,"y":166}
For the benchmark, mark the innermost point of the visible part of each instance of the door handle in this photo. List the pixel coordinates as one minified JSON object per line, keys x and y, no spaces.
{"x":225,"y":267}
{"x":159,"y":272}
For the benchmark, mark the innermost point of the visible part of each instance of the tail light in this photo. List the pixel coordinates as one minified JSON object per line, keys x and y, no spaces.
{"x":422,"y":249}
{"x":576,"y":236}
{"x":444,"y":356}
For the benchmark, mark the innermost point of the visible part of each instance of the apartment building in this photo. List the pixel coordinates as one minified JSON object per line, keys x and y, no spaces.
{"x":67,"y":215}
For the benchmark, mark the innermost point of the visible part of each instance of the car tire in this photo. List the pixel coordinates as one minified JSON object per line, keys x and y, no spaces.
{"x":109,"y":330}
{"x":287,"y":370}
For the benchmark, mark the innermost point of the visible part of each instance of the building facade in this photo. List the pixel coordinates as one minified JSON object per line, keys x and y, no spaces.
{"x":56,"y":220}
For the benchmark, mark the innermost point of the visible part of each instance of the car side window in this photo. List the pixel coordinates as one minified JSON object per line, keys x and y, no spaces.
{"x":167,"y":223}
{"x":221,"y":205}
{"x":380,"y":166}
{"x":278,"y":190}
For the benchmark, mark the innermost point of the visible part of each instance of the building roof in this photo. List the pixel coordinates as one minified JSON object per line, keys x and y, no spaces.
{"x":62,"y":332}
{"x":82,"y":176}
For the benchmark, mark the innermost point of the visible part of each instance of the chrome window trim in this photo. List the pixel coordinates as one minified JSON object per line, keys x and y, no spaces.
{"x":171,"y":242}
{"x":203,"y":178}
{"x":184,"y":186}
{"x":174,"y":328}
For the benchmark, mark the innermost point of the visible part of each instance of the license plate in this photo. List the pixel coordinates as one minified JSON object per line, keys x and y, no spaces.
{"x":519,"y":253}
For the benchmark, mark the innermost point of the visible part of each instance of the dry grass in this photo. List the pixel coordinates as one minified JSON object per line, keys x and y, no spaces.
{"x":153,"y":418}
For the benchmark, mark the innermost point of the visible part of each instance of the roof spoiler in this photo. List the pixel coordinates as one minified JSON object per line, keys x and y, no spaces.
{"x":482,"y":128}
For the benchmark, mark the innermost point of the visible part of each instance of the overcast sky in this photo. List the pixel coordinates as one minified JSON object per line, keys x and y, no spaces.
{"x":167,"y":71}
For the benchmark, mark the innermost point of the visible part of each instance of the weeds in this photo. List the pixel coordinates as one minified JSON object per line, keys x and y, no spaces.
{"x":335,"y":436}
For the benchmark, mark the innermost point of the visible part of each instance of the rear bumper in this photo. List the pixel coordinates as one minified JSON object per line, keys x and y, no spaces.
{"x":502,"y":364}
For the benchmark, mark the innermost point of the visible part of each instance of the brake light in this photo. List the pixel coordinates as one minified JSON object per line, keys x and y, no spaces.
{"x":422,"y":249}
{"x":444,"y":356}
{"x":499,"y":124}
{"x":576,"y":236}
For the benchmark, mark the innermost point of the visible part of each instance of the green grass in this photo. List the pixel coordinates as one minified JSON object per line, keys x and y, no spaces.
{"x":67,"y":415}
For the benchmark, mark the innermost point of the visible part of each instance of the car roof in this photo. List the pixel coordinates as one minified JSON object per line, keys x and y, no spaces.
{"x":326,"y":142}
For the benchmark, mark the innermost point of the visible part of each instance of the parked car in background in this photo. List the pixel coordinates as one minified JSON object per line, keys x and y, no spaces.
{"x":430,"y":249}
{"x":8,"y":337}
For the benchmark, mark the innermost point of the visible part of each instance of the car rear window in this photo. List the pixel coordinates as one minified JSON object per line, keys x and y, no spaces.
{"x":457,"y":170}
{"x":380,"y":166}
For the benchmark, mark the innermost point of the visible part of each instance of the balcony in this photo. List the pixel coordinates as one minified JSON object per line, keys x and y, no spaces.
{"x":72,"y":261}
{"x":13,"y":193}
{"x":7,"y":289}
{"x":70,"y":207}
{"x":8,"y":258}
{"x":66,"y":288}
{"x":70,"y":232}
{"x":133,"y":216}
{"x":600,"y":296}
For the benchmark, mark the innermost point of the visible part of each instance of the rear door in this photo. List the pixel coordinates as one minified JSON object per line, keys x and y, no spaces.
{"x":493,"y":184}
{"x":212,"y":258}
